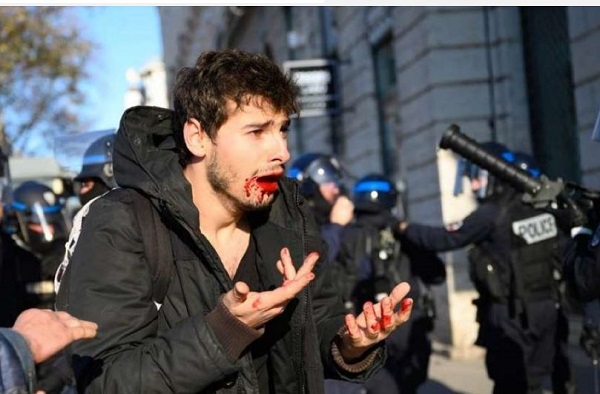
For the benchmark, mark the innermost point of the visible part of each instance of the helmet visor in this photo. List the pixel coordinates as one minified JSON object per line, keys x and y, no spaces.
{"x":46,"y":223}
{"x":324,"y":171}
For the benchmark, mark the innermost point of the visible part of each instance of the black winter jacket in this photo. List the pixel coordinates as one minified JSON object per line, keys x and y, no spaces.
{"x":140,"y":349}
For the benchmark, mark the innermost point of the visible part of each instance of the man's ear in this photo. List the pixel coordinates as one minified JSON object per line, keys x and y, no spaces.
{"x":195,"y":138}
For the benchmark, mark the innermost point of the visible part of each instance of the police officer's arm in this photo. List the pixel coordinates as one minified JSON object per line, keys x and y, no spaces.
{"x":111,"y":284}
{"x":473,"y":228}
{"x":581,"y":267}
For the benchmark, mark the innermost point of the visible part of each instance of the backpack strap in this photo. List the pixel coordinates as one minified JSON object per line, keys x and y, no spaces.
{"x":157,"y":244}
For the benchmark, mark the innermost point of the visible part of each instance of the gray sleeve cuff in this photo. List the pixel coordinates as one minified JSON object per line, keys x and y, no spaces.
{"x":233,"y":335}
{"x":357,"y":366}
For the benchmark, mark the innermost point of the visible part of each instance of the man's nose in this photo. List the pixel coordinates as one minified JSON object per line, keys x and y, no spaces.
{"x":281,"y":152}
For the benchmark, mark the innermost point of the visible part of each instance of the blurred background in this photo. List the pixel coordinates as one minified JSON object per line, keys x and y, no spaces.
{"x":379,"y":86}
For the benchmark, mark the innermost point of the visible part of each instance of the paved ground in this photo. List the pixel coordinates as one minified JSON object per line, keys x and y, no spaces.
{"x":470,"y":377}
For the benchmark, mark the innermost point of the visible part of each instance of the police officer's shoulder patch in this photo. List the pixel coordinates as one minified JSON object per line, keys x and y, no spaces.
{"x":454,"y":226}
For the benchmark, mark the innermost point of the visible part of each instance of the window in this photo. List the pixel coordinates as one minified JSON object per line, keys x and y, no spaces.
{"x":385,"y":84}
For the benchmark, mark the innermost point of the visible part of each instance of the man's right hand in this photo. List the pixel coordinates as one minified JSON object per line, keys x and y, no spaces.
{"x":257,"y":308}
{"x":47,"y":332}
{"x":342,"y":211}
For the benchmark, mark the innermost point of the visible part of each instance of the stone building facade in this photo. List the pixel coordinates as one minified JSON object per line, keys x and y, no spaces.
{"x":527,"y":77}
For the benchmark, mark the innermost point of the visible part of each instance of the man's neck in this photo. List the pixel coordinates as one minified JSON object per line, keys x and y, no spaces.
{"x":225,"y":227}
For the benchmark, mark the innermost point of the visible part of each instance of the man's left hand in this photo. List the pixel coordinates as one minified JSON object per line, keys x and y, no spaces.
{"x":375,"y":323}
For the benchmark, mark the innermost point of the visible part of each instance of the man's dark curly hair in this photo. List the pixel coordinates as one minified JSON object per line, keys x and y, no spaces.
{"x":202,"y":92}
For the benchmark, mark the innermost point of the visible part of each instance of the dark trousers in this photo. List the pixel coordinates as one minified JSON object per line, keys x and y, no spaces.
{"x":563,"y":381}
{"x":409,"y":348}
{"x":520,"y":351}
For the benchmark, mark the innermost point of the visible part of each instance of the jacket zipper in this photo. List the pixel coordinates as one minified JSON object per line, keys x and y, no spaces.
{"x":304,"y":298}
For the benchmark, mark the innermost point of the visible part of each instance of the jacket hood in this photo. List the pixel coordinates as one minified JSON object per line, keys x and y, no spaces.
{"x":145,"y":158}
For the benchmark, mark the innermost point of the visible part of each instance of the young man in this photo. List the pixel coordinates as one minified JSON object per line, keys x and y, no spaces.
{"x":244,"y":311}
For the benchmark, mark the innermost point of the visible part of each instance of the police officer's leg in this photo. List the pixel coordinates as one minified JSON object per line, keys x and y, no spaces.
{"x":563,"y":381}
{"x":505,"y":358}
{"x":417,"y":361}
{"x":540,"y":347}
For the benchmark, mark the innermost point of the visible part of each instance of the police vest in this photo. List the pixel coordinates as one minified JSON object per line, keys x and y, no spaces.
{"x":535,"y":250}
{"x":526,"y":256}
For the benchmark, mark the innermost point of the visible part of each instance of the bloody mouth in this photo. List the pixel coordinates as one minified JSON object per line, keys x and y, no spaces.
{"x":268,"y":183}
{"x":265,"y":185}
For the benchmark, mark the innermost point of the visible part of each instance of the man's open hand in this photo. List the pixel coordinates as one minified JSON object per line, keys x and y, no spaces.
{"x":375,"y":323}
{"x":257,"y":308}
{"x":47,"y":332}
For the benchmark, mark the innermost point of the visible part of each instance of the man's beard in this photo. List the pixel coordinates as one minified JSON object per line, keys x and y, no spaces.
{"x":221,"y":181}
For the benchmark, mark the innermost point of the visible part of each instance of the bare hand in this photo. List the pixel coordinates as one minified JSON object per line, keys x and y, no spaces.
{"x":342,"y":211}
{"x":375,"y":323}
{"x":48,"y":332}
{"x":257,"y":308}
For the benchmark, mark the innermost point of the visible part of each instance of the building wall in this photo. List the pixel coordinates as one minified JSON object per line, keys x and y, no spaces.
{"x":584,"y":28}
{"x":461,"y":65}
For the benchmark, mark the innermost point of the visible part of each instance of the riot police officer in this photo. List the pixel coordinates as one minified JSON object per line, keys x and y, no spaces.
{"x":374,"y":256}
{"x":581,"y":263}
{"x":513,"y":255}
{"x":320,"y":181}
{"x":563,"y":380}
{"x":40,"y":228}
{"x":320,"y":176}
{"x":96,"y":176}
{"x":35,"y":217}
{"x":582,"y":259}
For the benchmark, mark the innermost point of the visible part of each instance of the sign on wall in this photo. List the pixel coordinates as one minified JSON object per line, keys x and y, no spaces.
{"x":316,"y":79}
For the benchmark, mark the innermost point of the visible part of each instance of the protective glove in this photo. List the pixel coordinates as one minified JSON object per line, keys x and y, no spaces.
{"x":578,"y":213}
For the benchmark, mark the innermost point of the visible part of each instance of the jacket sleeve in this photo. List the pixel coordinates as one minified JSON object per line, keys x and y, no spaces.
{"x":581,"y":267}
{"x":111,"y":285}
{"x":472,"y":229}
{"x":17,"y":370}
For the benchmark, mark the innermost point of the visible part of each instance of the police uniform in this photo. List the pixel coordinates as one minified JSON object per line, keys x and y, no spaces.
{"x":513,"y":263}
{"x":582,"y":263}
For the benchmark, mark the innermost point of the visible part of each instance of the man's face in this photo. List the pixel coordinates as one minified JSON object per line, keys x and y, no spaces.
{"x":248,"y":155}
{"x":86,"y":185}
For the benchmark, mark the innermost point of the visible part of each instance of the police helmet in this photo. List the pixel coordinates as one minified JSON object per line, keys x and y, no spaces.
{"x":374,"y":193}
{"x":314,"y":169}
{"x":527,"y":163}
{"x":483,"y":184}
{"x":98,"y":161}
{"x":39,"y":217}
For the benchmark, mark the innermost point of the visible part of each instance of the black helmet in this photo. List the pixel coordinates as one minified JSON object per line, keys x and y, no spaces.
{"x":98,"y":161}
{"x":526,"y":162}
{"x":486,"y":184}
{"x":38,"y":213}
{"x":314,"y":169}
{"x":375,"y":193}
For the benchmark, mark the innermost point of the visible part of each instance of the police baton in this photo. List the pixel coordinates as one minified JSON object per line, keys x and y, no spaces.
{"x":539,"y":193}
